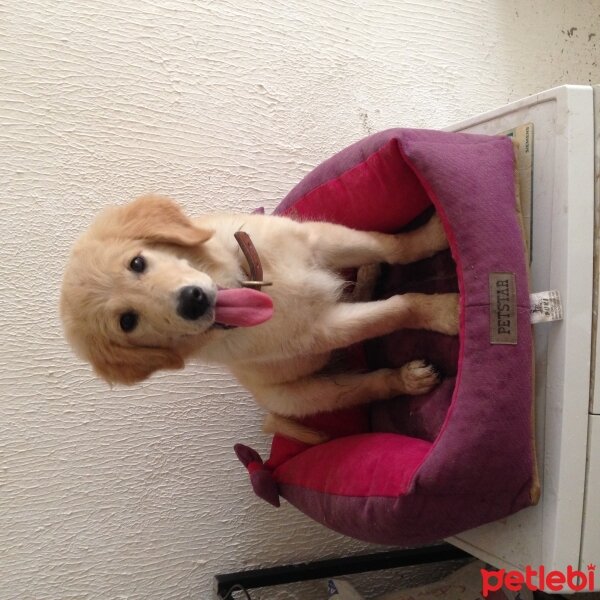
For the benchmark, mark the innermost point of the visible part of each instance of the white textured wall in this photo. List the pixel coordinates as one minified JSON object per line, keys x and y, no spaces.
{"x":136,"y":493}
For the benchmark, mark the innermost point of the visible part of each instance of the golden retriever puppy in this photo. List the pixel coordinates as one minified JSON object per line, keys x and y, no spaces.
{"x":147,"y":288}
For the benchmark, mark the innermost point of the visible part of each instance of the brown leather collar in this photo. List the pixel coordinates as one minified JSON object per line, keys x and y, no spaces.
{"x":256,"y":271}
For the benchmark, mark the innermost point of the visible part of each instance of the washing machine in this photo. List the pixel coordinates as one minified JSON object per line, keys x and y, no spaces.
{"x":559,"y":142}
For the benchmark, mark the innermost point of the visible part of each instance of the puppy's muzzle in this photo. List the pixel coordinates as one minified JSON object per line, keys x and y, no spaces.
{"x":192,"y":303}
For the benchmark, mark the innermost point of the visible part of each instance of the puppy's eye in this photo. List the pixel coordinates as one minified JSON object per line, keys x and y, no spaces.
{"x":128,"y":321}
{"x":138,"y":264}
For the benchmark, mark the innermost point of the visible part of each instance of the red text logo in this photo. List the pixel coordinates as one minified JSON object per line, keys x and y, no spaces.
{"x":540,"y":579}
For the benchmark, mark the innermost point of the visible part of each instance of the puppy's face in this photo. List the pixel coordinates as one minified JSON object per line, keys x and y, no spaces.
{"x":130,"y":300}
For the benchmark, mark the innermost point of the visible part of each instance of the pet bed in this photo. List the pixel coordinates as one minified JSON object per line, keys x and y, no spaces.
{"x":416,"y":469}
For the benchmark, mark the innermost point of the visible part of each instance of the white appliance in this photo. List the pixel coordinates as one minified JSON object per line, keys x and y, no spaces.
{"x":564,"y":528}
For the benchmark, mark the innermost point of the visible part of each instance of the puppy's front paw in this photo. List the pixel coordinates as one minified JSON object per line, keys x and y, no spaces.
{"x":418,"y":377}
{"x":445,"y":319}
{"x":420,"y":243}
{"x":434,"y":235}
{"x":437,"y":312}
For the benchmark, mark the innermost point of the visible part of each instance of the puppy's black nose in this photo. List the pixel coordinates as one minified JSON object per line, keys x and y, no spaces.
{"x":192,"y":303}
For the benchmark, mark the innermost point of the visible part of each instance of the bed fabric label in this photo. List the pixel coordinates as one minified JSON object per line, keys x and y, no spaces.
{"x":503,"y":308}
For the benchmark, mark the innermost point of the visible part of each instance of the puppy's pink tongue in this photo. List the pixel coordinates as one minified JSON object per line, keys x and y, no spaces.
{"x":242,"y":307}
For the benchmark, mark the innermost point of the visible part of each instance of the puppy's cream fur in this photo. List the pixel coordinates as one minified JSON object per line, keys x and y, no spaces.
{"x":280,"y":361}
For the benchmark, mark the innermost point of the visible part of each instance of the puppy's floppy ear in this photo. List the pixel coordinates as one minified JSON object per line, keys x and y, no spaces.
{"x":153,"y":218}
{"x":129,"y":365}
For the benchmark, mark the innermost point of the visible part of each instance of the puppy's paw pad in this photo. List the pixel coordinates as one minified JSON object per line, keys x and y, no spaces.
{"x":419,"y":377}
